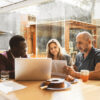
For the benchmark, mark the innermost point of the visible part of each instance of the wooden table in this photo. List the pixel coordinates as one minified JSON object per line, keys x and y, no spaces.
{"x":80,"y":91}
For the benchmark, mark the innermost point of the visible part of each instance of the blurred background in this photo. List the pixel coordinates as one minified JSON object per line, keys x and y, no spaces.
{"x":40,"y":20}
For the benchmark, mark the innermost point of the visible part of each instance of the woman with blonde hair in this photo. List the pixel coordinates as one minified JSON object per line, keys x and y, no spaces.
{"x":54,"y":51}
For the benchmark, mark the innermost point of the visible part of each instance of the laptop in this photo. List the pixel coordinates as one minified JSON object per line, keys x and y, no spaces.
{"x":33,"y":68}
{"x":58,"y":67}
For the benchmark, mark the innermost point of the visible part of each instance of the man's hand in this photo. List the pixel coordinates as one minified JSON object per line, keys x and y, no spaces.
{"x":69,"y":70}
{"x":69,"y":78}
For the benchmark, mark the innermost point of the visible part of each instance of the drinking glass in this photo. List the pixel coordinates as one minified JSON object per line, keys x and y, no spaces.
{"x":4,"y":75}
{"x":84,"y":75}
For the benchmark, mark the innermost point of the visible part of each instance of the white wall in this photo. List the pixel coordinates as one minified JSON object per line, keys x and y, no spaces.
{"x":96,"y":14}
{"x":96,"y":20}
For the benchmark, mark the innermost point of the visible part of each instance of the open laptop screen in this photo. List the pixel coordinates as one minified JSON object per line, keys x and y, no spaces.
{"x":33,"y":68}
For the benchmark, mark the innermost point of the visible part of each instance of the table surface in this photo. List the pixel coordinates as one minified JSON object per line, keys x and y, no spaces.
{"x":79,"y":91}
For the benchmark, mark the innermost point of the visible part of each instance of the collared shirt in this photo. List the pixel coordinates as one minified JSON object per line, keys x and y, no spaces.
{"x":90,"y":61}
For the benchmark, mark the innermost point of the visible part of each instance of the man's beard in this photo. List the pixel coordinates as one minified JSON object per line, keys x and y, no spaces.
{"x":84,"y":50}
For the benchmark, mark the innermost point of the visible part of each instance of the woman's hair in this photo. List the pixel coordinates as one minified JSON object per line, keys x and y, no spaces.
{"x":49,"y":55}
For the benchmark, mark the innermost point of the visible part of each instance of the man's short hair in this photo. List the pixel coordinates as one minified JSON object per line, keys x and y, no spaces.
{"x":86,"y":35}
{"x":15,"y":41}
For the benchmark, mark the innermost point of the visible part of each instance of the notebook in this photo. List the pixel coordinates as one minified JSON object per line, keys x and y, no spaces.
{"x":33,"y":68}
{"x":58,"y":67}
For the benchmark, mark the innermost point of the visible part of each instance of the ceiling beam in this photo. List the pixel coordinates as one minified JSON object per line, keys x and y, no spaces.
{"x":22,"y":4}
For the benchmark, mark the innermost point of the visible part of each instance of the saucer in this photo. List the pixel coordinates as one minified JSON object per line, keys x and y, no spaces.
{"x":67,"y":85}
{"x":74,"y":81}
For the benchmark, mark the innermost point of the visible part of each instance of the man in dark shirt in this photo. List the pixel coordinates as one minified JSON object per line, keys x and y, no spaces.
{"x":90,"y":61}
{"x":88,"y":57}
{"x":17,"y":49}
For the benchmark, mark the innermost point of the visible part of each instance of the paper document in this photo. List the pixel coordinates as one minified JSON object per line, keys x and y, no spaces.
{"x":9,"y":86}
{"x":58,"y":67}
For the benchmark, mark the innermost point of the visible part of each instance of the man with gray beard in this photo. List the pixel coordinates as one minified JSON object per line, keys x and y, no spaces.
{"x":88,"y":58}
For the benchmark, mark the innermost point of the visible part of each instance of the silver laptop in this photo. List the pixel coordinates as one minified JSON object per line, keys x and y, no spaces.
{"x":33,"y":68}
{"x":58,"y":67}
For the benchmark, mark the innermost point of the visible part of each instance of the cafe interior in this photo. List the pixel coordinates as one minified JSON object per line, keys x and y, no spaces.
{"x":38,"y":21}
